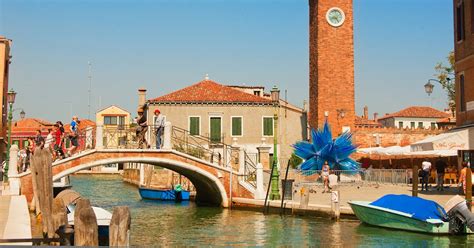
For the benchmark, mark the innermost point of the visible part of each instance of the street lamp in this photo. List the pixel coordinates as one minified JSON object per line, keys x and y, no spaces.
{"x":22,"y":114}
{"x":429,"y":86}
{"x":275,"y":194}
{"x":10,"y":99}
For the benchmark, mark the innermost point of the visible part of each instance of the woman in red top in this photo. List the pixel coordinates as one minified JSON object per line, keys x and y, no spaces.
{"x":58,"y":142}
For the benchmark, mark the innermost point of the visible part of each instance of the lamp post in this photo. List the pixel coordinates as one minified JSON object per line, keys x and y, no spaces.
{"x":429,"y":86}
{"x":275,"y":194}
{"x":10,"y":99}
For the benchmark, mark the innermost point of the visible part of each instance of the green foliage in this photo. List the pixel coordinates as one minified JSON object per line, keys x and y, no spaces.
{"x":444,"y":72}
{"x":295,"y":161}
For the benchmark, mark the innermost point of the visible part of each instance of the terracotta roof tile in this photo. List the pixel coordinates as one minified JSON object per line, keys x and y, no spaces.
{"x":210,"y":91}
{"x":418,"y":112}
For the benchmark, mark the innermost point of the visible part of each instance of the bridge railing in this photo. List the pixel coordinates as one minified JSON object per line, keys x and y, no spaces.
{"x":250,"y":168}
{"x":204,"y":148}
{"x":119,"y":137}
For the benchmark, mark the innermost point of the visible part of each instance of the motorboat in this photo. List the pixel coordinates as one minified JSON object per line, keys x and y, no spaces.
{"x":409,"y":213}
{"x":164,"y":194}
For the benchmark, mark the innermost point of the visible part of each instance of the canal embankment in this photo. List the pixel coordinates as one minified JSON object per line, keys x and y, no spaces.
{"x":14,"y":219}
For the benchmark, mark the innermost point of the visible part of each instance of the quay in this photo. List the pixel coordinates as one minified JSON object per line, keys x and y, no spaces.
{"x":14,"y":219}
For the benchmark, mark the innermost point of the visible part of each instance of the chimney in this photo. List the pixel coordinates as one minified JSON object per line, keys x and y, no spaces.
{"x":141,"y":97}
{"x":305,"y":106}
{"x":366,"y":113}
{"x":275,"y":94}
{"x":376,"y":115}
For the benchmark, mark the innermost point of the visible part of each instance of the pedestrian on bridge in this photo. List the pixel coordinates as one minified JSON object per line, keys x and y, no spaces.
{"x":159,"y":127}
{"x":141,"y":129}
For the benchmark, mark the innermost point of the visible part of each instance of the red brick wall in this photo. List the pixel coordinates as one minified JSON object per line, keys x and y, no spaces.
{"x":331,"y":66}
{"x":364,"y":137}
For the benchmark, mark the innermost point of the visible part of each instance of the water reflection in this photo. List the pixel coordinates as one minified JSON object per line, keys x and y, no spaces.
{"x":185,"y":224}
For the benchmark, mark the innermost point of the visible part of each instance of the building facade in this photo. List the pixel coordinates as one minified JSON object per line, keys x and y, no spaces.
{"x":27,"y":127}
{"x":464,"y":68}
{"x":115,"y":122}
{"x":237,"y":115}
{"x":5,"y":60}
{"x":414,"y":118}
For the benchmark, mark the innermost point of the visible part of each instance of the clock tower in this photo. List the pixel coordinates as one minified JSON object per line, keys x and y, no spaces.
{"x":331,"y":64}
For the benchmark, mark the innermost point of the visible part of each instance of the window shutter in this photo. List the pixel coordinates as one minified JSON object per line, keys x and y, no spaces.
{"x":236,"y":126}
{"x":268,"y":126}
{"x":194,"y":125}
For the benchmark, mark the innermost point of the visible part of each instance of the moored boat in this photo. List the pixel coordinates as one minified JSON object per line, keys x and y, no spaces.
{"x":164,"y":194}
{"x":414,"y":214}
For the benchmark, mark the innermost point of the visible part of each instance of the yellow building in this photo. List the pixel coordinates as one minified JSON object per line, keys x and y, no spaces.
{"x":115,"y":122}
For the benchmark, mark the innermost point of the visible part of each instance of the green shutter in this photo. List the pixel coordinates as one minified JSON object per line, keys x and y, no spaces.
{"x":236,"y":126}
{"x":215,"y":129}
{"x":194,"y":125}
{"x":268,"y":126}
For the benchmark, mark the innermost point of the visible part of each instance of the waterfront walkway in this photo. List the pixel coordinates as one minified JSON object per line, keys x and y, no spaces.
{"x":14,"y":219}
{"x":321,"y":202}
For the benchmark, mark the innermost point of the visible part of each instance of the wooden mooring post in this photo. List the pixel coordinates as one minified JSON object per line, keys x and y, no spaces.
{"x":469,"y":187}
{"x":85,"y":224}
{"x":41,"y":163}
{"x":119,"y":229}
{"x":414,"y":189}
{"x":335,"y":204}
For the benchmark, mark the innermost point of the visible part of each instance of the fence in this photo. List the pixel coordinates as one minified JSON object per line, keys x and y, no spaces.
{"x":390,"y":176}
{"x":250,"y":168}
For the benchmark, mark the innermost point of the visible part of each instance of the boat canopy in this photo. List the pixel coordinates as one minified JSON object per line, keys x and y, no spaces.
{"x":419,"y":208}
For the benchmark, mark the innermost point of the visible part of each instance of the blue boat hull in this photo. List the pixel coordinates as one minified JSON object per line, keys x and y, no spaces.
{"x":164,"y":195}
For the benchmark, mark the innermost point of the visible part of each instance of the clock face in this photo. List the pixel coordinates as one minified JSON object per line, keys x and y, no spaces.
{"x":335,"y":17}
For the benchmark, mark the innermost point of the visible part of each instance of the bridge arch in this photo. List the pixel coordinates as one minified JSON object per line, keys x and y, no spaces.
{"x":209,"y":189}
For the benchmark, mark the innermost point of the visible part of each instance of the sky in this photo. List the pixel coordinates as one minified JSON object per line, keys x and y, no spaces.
{"x":166,"y":45}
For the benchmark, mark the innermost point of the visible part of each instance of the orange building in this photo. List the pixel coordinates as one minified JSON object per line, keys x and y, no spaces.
{"x":4,"y":70}
{"x":464,"y":68}
{"x":24,"y":128}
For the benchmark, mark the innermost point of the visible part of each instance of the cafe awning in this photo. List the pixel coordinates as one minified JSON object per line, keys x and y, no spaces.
{"x":459,"y":139}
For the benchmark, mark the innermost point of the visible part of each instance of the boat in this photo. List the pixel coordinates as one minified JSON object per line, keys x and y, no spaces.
{"x":165,"y":194}
{"x":103,"y":221}
{"x":415,"y":214}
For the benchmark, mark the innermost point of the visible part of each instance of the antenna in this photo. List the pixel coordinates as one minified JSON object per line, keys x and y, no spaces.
{"x":90,"y":90}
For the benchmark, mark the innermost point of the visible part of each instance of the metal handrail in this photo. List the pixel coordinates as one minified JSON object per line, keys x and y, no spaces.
{"x":250,"y":168}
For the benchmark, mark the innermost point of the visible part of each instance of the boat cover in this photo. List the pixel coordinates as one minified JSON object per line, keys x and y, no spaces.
{"x":419,"y":208}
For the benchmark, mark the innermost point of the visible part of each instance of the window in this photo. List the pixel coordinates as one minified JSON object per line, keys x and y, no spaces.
{"x":267,"y":126}
{"x":194,"y":125}
{"x":400,"y":124}
{"x":236,"y":126}
{"x":433,"y":125}
{"x":420,"y":125}
{"x":256,"y":92}
{"x":412,"y":124}
{"x":215,"y":129}
{"x":462,"y":97}
{"x":25,"y":144}
{"x":121,"y":121}
{"x":16,"y":142}
{"x":472,"y":17}
{"x":460,"y":21}
{"x":110,"y":120}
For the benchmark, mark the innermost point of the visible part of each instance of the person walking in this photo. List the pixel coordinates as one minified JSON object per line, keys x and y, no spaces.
{"x":73,"y":136}
{"x":462,"y":176}
{"x":141,"y":129}
{"x":440,"y":168}
{"x":159,"y":127}
{"x":325,"y":174}
{"x":426,"y":168}
{"x":39,"y":140}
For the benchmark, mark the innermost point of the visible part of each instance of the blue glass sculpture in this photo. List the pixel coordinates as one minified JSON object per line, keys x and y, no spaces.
{"x":336,"y":152}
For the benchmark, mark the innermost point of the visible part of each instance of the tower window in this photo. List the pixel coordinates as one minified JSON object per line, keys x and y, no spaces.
{"x":256,"y":92}
{"x":460,"y":21}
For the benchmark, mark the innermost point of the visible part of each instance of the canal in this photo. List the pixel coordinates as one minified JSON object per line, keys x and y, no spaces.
{"x":185,"y":224}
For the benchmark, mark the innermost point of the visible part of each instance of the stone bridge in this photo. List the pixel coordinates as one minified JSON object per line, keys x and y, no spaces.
{"x":218,"y":171}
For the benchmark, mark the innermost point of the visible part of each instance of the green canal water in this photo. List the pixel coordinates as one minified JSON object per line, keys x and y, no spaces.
{"x":185,"y":224}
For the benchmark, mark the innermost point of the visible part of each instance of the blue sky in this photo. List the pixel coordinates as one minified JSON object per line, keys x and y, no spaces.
{"x":165,"y":45}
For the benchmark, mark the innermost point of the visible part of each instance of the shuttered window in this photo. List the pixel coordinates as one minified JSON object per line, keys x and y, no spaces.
{"x":194,"y":125}
{"x":236,"y":126}
{"x":215,"y":129}
{"x":267,"y":126}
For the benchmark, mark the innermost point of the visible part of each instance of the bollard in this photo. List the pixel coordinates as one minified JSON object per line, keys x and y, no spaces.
{"x":304,"y":198}
{"x":414,"y":190}
{"x":469,"y":187}
{"x":335,"y":204}
{"x":119,"y":231}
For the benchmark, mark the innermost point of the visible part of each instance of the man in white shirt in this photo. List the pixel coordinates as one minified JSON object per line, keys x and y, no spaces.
{"x":159,"y":126}
{"x":426,"y":167}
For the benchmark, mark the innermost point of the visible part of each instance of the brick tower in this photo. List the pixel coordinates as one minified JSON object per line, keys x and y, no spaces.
{"x":331,"y":64}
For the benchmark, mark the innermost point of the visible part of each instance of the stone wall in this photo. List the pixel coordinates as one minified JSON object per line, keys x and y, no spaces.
{"x":367,"y":137}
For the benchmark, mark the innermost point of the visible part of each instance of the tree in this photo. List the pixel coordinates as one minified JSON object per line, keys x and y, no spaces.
{"x":446,"y":76}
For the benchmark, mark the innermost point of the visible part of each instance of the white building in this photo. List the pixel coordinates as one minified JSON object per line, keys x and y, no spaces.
{"x":413,"y":117}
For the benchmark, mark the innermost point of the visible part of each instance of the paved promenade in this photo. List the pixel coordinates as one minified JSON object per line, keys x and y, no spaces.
{"x":14,"y":219}
{"x":321,"y":202}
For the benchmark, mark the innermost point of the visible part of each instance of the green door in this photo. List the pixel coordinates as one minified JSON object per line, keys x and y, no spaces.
{"x":215,"y":129}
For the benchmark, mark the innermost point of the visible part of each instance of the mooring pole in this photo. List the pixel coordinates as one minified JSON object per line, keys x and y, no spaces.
{"x":282,"y":210}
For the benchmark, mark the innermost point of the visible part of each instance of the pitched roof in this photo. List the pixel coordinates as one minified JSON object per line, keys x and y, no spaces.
{"x":208,"y":91}
{"x":30,"y":124}
{"x":447,"y":120}
{"x":418,"y":112}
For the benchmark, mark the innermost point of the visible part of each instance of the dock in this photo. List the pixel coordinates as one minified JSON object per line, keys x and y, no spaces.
{"x":14,"y":219}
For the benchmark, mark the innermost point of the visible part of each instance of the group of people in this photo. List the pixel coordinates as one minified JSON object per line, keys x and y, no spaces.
{"x":54,"y":141}
{"x":142,"y":128}
{"x":441,"y":167}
